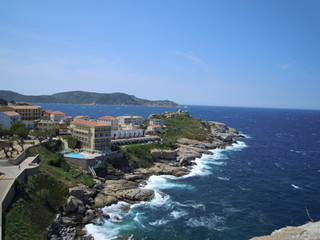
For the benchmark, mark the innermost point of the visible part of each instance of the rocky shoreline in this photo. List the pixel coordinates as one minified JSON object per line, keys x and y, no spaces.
{"x":84,"y":204}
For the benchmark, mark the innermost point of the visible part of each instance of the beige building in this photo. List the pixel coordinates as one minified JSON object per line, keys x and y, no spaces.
{"x":47,"y":125}
{"x":53,"y":115}
{"x":28,"y":114}
{"x":111,"y":121}
{"x":94,"y":136}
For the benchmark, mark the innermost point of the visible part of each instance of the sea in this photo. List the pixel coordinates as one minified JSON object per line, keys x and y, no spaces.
{"x":268,"y":180}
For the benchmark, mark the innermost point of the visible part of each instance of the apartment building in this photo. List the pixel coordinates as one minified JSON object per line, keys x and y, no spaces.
{"x":111,"y":121}
{"x":28,"y":114}
{"x":8,"y":118}
{"x":94,"y":136}
{"x":130,"y":119}
{"x":53,"y":115}
{"x":48,"y":125}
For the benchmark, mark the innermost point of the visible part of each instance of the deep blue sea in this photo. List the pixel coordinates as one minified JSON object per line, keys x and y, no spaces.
{"x":263,"y":183}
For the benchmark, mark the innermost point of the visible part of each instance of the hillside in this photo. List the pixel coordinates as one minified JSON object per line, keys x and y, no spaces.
{"x":81,"y":97}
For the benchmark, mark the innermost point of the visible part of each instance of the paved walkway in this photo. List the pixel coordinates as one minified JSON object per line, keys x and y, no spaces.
{"x":9,"y":173}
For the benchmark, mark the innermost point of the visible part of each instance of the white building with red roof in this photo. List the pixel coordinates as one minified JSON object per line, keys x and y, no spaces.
{"x":154,"y":129}
{"x":9,"y":117}
{"x":110,"y":120}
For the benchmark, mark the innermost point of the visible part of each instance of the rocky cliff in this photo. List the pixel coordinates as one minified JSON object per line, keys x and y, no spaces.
{"x":309,"y":231}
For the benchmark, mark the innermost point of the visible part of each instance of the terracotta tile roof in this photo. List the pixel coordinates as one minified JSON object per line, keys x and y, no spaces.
{"x":108,"y":118}
{"x":90,"y":123}
{"x":81,"y":116}
{"x":57,"y":112}
{"x":156,"y":126}
{"x":11,"y":113}
{"x":49,"y":111}
{"x":26,"y":107}
{"x":125,"y":117}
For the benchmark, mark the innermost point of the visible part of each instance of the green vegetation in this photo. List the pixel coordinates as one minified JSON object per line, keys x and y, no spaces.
{"x":139,"y":156}
{"x":38,"y":201}
{"x":54,"y":164}
{"x":182,"y":126}
{"x":3,"y":102}
{"x":73,"y":143}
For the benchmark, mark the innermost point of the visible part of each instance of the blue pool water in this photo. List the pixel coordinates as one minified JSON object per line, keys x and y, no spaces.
{"x":75,"y":155}
{"x":263,"y":183}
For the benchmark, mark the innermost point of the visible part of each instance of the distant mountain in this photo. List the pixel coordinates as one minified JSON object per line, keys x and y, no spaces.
{"x":81,"y":97}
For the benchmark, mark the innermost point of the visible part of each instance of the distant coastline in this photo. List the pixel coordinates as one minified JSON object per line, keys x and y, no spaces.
{"x":87,"y":98}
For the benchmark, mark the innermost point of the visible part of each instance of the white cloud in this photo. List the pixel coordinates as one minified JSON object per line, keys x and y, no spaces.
{"x":202,"y":64}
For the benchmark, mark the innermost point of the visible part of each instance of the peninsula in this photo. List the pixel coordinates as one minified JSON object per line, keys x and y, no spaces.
{"x":81,"y":97}
{"x":174,"y":141}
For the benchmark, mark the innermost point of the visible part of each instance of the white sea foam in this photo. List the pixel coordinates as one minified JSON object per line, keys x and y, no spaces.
{"x":211,"y":222}
{"x":278,"y":165}
{"x":178,"y":214}
{"x":245,"y":135}
{"x":224,"y":178}
{"x":159,"y":222}
{"x":164,"y":182}
{"x":202,"y":166}
{"x":295,"y":186}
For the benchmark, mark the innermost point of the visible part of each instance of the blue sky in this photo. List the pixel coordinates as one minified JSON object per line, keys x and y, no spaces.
{"x":251,"y":53}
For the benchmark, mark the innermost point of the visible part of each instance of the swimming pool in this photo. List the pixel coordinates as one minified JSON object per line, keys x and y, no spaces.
{"x":75,"y":155}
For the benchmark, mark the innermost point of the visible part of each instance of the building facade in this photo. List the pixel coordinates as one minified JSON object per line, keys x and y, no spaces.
{"x":53,"y":115}
{"x":130,"y":119}
{"x":156,"y":122}
{"x":125,"y":134}
{"x":48,"y":125}
{"x":154,"y":129}
{"x":111,"y":121}
{"x":28,"y":114}
{"x":94,"y":136}
{"x":8,"y":118}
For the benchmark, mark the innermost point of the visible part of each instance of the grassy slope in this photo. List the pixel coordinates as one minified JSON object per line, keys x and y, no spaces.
{"x":39,"y":199}
{"x":182,"y":126}
{"x":177,"y":126}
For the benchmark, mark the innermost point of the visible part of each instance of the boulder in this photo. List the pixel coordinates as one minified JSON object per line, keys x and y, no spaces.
{"x":90,"y":215}
{"x":163,"y":154}
{"x":77,"y":192}
{"x":102,"y":200}
{"x":137,"y":195}
{"x":72,"y":204}
{"x":132,"y":177}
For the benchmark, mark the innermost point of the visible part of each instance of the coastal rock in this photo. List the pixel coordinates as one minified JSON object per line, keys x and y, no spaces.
{"x":77,"y":192}
{"x":72,"y":204}
{"x":138,"y":195}
{"x":91,"y":214}
{"x":102,"y":200}
{"x":132,"y":177}
{"x":309,"y":231}
{"x":163,"y":154}
{"x":222,"y":131}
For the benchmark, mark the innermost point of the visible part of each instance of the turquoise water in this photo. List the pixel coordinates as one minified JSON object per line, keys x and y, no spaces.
{"x":75,"y":155}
